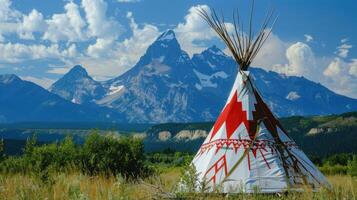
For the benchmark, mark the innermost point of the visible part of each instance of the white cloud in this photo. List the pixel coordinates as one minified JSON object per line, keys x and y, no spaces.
{"x":100,"y":48}
{"x":8,"y":19}
{"x":43,"y":82}
{"x":272,"y":54}
{"x":123,"y":55}
{"x":339,"y":77}
{"x":301,"y":60}
{"x":136,"y":45}
{"x":17,"y":52}
{"x":58,"y":70}
{"x":308,"y":38}
{"x":344,"y":40}
{"x":194,"y":30}
{"x":353,"y":68}
{"x":67,"y":26}
{"x":334,"y":68}
{"x":33,"y":22}
{"x":7,"y":13}
{"x":99,"y":25}
{"x":343,"y":50}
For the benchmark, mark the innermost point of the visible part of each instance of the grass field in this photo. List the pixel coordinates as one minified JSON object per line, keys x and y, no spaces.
{"x":74,"y":185}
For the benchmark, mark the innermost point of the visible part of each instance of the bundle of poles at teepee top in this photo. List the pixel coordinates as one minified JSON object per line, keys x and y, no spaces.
{"x":246,"y":130}
{"x":243,"y":46}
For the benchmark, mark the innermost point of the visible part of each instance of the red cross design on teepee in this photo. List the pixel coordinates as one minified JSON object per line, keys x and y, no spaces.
{"x":212,"y":172}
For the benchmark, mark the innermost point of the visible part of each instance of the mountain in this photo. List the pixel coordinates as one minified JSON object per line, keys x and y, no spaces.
{"x":78,"y":87}
{"x":159,"y":87}
{"x":25,"y":101}
{"x":166,"y":85}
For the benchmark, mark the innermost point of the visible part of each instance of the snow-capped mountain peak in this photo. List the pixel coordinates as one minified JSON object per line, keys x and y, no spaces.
{"x":167,"y":36}
{"x":214,"y":50}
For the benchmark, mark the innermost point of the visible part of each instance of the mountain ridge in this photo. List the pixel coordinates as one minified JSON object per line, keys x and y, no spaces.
{"x":166,"y":85}
{"x":25,"y":101}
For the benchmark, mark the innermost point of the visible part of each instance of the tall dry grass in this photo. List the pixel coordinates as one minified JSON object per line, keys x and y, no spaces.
{"x":77,"y":186}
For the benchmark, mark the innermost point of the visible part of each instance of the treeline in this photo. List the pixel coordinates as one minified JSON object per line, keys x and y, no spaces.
{"x":124,"y":156}
{"x":344,"y":163}
{"x":99,"y":155}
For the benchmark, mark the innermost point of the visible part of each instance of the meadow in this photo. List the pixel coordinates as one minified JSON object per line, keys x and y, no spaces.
{"x":74,"y":185}
{"x":106,"y":167}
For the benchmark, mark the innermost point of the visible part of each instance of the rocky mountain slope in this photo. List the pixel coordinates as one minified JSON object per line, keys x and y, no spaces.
{"x":78,"y":87}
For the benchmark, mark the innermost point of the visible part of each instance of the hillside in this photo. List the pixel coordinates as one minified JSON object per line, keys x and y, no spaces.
{"x":318,"y":135}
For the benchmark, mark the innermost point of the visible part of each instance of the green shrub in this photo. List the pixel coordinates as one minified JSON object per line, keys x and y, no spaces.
{"x":108,"y":155}
{"x":98,"y":155}
{"x":352,"y":166}
{"x":338,"y":159}
{"x":2,"y":149}
{"x":333,"y":170}
{"x":14,"y":165}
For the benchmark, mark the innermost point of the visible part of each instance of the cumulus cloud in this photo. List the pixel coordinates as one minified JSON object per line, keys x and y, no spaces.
{"x":66,"y":26}
{"x":334,"y":68}
{"x":272,"y":55}
{"x":339,"y":77}
{"x":100,"y":48}
{"x":123,"y":54}
{"x":8,"y":19}
{"x":194,"y":30}
{"x":33,"y":22}
{"x":17,"y":52}
{"x":343,"y":50}
{"x":8,"y":14}
{"x":99,"y":24}
{"x":301,"y":59}
{"x":308,"y":38}
{"x":353,"y":68}
{"x":136,"y":45}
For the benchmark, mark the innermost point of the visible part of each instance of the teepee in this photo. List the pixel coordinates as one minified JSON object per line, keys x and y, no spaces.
{"x":248,"y":150}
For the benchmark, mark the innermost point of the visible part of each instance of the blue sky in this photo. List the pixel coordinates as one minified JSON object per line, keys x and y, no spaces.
{"x":40,"y":40}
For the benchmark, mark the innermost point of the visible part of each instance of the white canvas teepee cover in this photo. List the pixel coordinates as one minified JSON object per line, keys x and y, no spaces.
{"x":248,"y":150}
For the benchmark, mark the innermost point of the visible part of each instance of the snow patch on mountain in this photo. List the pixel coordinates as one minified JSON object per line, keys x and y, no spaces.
{"x":207,"y":80}
{"x":292,"y":96}
{"x":115,"y":89}
{"x":168,"y":35}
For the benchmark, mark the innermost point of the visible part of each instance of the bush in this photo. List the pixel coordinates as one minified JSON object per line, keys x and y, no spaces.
{"x":2,"y":147}
{"x":338,"y":159}
{"x":335,"y":169}
{"x":352,"y":166}
{"x":98,"y":155}
{"x":108,"y":155}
